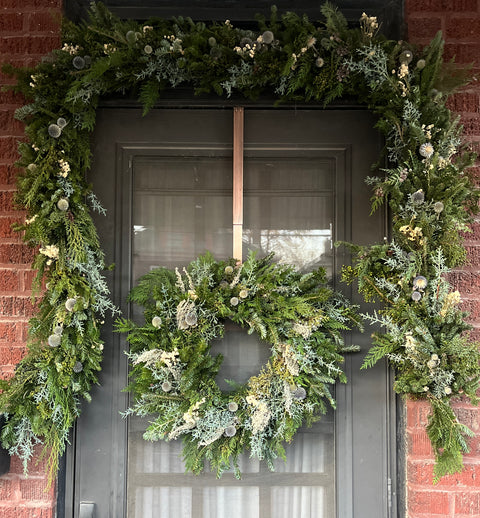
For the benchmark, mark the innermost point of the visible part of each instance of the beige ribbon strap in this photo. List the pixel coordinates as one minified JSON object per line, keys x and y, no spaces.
{"x":238,"y":124}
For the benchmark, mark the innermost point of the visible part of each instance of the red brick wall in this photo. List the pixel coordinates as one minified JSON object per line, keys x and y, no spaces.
{"x":455,"y":496}
{"x":28,"y":30}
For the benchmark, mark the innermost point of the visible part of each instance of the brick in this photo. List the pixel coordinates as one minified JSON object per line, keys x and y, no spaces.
{"x":417,"y":413}
{"x":9,"y":280}
{"x":441,"y":5}
{"x":7,"y":201}
{"x":473,"y":255}
{"x":467,"y":503}
{"x":469,"y":416}
{"x":11,"y":22}
{"x":475,"y":332}
{"x":6,"y":306}
{"x":27,"y":279}
{"x":424,"y":27}
{"x":48,"y":21}
{"x":463,"y":52}
{"x":23,"y":328}
{"x":429,"y":502}
{"x":466,"y":479}
{"x":465,"y":102}
{"x":18,"y":511}
{"x":36,"y":467}
{"x":474,"y":235}
{"x":16,"y":254}
{"x":39,"y":45}
{"x":10,"y":331}
{"x":420,"y":473}
{"x":471,"y":124}
{"x":8,"y":124}
{"x":6,"y":489}
{"x":23,"y":306}
{"x":9,"y":148}
{"x":474,"y":446}
{"x":16,"y":306}
{"x":462,"y":28}
{"x":11,"y":98}
{"x":467,"y":283}
{"x":11,"y":355}
{"x":9,"y":173}
{"x":419,"y":443}
{"x":6,"y":223}
{"x":474,"y":171}
{"x":472,"y":307}
{"x":6,"y":372}
{"x":35,"y":489}
{"x":16,"y":61}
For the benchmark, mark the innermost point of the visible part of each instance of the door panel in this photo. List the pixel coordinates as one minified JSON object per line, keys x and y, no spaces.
{"x":166,"y":182}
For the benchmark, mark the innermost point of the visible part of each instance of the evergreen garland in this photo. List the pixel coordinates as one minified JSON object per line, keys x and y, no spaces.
{"x":173,"y":374}
{"x":426,"y":184}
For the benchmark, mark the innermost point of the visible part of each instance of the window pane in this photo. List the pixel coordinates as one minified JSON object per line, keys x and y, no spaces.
{"x":243,"y":355}
{"x":181,"y":208}
{"x":162,"y":502}
{"x":228,"y":502}
{"x":298,"y":502}
{"x":289,"y":209}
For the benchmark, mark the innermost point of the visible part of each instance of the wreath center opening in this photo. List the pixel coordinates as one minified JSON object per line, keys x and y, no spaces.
{"x":243,"y":356}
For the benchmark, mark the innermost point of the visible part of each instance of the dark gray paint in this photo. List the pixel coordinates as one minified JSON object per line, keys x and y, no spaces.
{"x":96,"y":463}
{"x":4,"y":455}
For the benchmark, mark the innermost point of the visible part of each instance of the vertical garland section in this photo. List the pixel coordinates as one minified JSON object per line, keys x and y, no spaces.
{"x":426,"y":185}
{"x":431,"y":200}
{"x":42,"y":400}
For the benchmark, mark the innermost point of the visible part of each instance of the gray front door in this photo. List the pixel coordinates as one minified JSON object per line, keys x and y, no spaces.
{"x":166,"y":181}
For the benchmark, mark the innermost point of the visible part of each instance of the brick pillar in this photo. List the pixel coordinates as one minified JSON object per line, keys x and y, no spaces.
{"x":457,"y":495}
{"x":29,"y":29}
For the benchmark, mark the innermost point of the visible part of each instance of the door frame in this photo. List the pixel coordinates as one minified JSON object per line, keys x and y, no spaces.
{"x":395,"y":408}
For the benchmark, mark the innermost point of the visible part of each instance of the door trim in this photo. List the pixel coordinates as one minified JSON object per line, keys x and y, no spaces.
{"x":70,"y":469}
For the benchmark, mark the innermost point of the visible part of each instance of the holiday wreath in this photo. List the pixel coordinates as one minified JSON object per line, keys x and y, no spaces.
{"x":426,"y":184}
{"x":173,"y":374}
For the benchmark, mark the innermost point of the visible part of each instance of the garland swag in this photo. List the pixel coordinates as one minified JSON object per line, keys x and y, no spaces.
{"x":426,"y":185}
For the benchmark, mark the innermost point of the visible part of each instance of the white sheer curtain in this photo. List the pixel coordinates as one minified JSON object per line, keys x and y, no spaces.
{"x":182,"y":208}
{"x":163,"y":502}
{"x":231,"y":502}
{"x":298,"y":502}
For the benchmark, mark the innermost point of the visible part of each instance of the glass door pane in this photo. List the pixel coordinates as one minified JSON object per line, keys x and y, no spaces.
{"x":182,"y":207}
{"x":289,"y":209}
